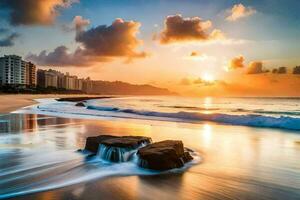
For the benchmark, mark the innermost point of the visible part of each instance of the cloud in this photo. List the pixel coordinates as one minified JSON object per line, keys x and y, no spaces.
{"x":198,"y":81}
{"x":185,"y":81}
{"x":179,"y":29}
{"x":296,"y":70}
{"x":239,"y":11}
{"x":255,"y":67}
{"x":78,"y":24}
{"x":116,"y":40}
{"x":195,"y":53}
{"x":236,"y":63}
{"x":34,"y":12}
{"x":60,"y":57}
{"x":99,"y":44}
{"x":198,"y":56}
{"x":280,"y":70}
{"x":3,"y":31}
{"x":217,"y":34}
{"x":8,"y":40}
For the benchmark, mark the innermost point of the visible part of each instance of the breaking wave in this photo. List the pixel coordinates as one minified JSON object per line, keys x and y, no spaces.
{"x":254,"y":120}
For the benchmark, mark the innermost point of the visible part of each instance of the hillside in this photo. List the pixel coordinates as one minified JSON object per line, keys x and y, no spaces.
{"x":122,"y":88}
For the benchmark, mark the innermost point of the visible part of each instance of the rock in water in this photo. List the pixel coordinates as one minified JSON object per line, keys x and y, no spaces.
{"x":163,"y":155}
{"x":115,"y":148}
{"x":80,"y":104}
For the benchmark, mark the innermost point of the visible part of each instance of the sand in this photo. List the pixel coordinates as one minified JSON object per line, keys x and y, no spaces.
{"x":10,"y":103}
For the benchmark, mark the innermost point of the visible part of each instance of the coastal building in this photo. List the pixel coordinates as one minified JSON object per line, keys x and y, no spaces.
{"x":51,"y":79}
{"x":60,"y":80}
{"x":87,"y":85}
{"x":47,"y":78}
{"x":79,"y":84}
{"x":71,"y":82}
{"x":30,"y":74}
{"x":56,"y":79}
{"x":12,"y":70}
{"x":15,"y":71}
{"x":40,"y":74}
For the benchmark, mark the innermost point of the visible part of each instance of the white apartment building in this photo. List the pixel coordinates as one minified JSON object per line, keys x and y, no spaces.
{"x":70,"y":82}
{"x":12,"y":70}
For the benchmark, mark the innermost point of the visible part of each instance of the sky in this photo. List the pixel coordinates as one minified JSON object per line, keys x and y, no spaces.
{"x":192,"y":47}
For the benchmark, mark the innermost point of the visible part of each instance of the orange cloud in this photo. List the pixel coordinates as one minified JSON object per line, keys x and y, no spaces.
{"x":198,"y":81}
{"x":179,"y":29}
{"x":195,"y":53}
{"x":79,"y":23}
{"x":245,"y":85}
{"x":236,"y":63}
{"x":240,"y":11}
{"x":99,"y":44}
{"x":34,"y":12}
{"x":280,"y":70}
{"x":255,"y":67}
{"x":296,"y":70}
{"x":185,"y":81}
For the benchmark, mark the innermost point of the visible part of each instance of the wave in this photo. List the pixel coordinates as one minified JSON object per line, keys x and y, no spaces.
{"x":295,"y":113}
{"x":254,"y":120}
{"x":190,"y":108}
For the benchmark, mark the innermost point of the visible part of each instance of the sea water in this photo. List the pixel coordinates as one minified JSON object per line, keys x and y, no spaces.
{"x":282,"y":113}
{"x":246,"y":147}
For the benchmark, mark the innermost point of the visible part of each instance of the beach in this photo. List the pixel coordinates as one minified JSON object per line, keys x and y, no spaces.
{"x":12,"y":102}
{"x":233,"y":162}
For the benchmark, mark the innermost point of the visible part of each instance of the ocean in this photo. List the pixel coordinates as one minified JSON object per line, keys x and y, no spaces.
{"x":283,"y":113}
{"x":245,"y":148}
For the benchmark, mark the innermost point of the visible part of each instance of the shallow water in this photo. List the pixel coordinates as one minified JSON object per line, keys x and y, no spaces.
{"x":39,"y":161}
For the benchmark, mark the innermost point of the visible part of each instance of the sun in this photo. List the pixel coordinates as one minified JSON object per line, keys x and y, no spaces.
{"x":208,"y":77}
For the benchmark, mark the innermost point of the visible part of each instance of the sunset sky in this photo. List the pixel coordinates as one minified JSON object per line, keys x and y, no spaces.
{"x":193,"y":47}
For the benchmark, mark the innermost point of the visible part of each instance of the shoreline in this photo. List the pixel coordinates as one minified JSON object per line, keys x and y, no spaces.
{"x":215,"y":172}
{"x":13,"y":102}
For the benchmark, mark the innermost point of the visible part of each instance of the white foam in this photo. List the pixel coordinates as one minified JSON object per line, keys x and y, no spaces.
{"x":77,"y":174}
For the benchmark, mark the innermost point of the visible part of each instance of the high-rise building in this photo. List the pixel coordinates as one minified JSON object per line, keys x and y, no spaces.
{"x":87,"y":86}
{"x":12,"y":70}
{"x":70,"y":82}
{"x":79,"y":84}
{"x":53,"y":78}
{"x":60,"y":80}
{"x":47,"y":78}
{"x":30,"y":74}
{"x":15,"y":71}
{"x":40,"y":78}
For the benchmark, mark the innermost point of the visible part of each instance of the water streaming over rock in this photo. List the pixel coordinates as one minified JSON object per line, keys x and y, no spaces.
{"x":118,"y":154}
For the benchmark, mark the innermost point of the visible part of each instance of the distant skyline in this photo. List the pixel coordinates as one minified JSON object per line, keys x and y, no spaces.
{"x":192,"y":47}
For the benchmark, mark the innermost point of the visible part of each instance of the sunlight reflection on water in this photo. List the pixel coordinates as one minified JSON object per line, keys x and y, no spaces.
{"x":238,"y":162}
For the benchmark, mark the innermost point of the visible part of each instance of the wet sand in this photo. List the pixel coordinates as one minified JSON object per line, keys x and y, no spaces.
{"x":238,"y":162}
{"x":12,"y":102}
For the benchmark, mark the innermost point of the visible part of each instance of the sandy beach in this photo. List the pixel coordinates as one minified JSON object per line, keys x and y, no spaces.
{"x":12,"y":102}
{"x":232,"y":162}
{"x":233,"y":166}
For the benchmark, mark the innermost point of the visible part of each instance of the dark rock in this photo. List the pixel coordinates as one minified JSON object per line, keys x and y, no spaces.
{"x":163,"y":155}
{"x":80,"y":104}
{"x":126,"y":142}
